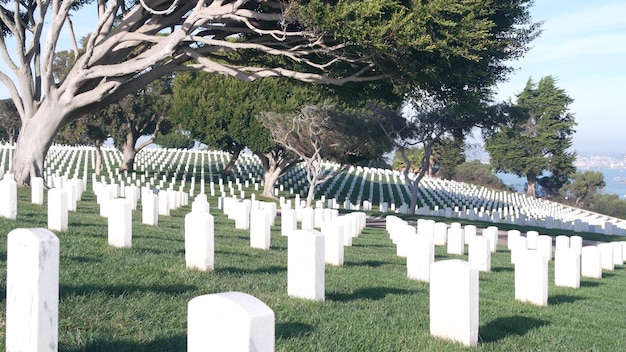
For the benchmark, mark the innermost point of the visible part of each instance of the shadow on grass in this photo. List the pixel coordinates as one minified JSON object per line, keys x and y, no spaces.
{"x":83,"y":259}
{"x":500,"y":328}
{"x":587,"y":283}
{"x":502,"y":269}
{"x":263,"y":270}
{"x":371,"y":293}
{"x":560,"y":299}
{"x":292,"y":330}
{"x":370,"y":263}
{"x":366,"y":245}
{"x":174,"y":344}
{"x":119,"y":290}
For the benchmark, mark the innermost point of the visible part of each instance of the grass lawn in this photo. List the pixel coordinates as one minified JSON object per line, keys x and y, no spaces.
{"x":114,"y":299}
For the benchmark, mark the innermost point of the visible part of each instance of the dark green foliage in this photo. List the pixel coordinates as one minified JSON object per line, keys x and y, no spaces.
{"x":10,"y":122}
{"x":176,"y":138}
{"x":609,"y":204}
{"x":540,"y":138}
{"x":449,"y":154}
{"x":477,"y":173}
{"x":584,"y":187}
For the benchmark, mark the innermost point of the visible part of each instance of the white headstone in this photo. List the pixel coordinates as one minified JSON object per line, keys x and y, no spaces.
{"x":57,"y":209}
{"x":543,"y":244}
{"x":305,"y":265}
{"x":510,"y":237}
{"x":440,"y":234}
{"x":8,"y":200}
{"x":199,"y":241}
{"x":36,"y":184}
{"x":404,"y":239}
{"x":32,"y":301}
{"x":606,"y":255}
{"x":242,"y":215}
{"x":591,"y":262}
{"x":120,"y":221}
{"x":532,"y":237}
{"x":454,"y":310}
{"x":308,"y":218}
{"x":518,"y":245}
{"x":419,"y":257}
{"x":456,"y":241}
{"x":164,"y":203}
{"x":618,"y":256}
{"x":347,"y":230}
{"x":288,"y":221}
{"x":531,"y":277}
{"x":492,"y":233}
{"x":576,"y":243}
{"x":229,"y":321}
{"x":333,"y":242}
{"x":469,"y":233}
{"x":479,"y":253}
{"x":567,"y":267}
{"x":150,"y":208}
{"x":562,"y":242}
{"x":260,"y":229}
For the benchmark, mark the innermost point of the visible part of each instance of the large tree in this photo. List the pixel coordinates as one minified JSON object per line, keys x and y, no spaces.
{"x":221,"y":112}
{"x":539,"y":140}
{"x":320,"y":133}
{"x":431,"y":123}
{"x":584,"y":187}
{"x":444,"y":47}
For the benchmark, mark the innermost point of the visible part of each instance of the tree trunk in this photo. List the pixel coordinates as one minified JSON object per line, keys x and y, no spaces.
{"x":311,"y":194}
{"x":232,"y":161}
{"x":128,"y":160}
{"x":532,"y":182}
{"x":275,"y":164}
{"x":415,"y":186}
{"x":270,"y":178}
{"x":98,"y":169}
{"x":33,"y":142}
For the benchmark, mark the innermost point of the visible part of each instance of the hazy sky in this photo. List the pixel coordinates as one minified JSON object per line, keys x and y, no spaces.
{"x":583,"y":45}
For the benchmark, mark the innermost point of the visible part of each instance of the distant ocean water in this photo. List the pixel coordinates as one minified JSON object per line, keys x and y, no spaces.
{"x":615,"y":180}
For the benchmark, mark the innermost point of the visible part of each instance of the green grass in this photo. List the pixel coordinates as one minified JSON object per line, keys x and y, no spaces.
{"x":114,"y":299}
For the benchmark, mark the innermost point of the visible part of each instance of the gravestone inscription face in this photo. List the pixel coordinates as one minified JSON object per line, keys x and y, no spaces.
{"x":229,"y":321}
{"x":32,"y":290}
{"x":305,"y":265}
{"x":454,"y":304}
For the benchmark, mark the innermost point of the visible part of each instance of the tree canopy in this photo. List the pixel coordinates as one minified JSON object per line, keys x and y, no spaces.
{"x":538,"y":139}
{"x":584,"y":187}
{"x":317,"y":133}
{"x":445,"y":48}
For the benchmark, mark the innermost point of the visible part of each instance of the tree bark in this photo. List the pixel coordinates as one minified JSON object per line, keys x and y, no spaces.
{"x":98,"y":169}
{"x":311,"y":194}
{"x":232,"y":161}
{"x":34,"y":140}
{"x":270,"y":177}
{"x":275,"y":164}
{"x":129,"y":152}
{"x":531,"y":190}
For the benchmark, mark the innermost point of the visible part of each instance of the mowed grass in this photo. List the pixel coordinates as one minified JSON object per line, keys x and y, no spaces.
{"x":114,"y":299}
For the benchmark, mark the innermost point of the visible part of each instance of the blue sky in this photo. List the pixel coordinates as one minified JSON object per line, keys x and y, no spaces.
{"x":583,"y":45}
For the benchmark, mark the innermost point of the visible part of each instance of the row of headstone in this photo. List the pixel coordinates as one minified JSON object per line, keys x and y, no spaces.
{"x":437,"y":197}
